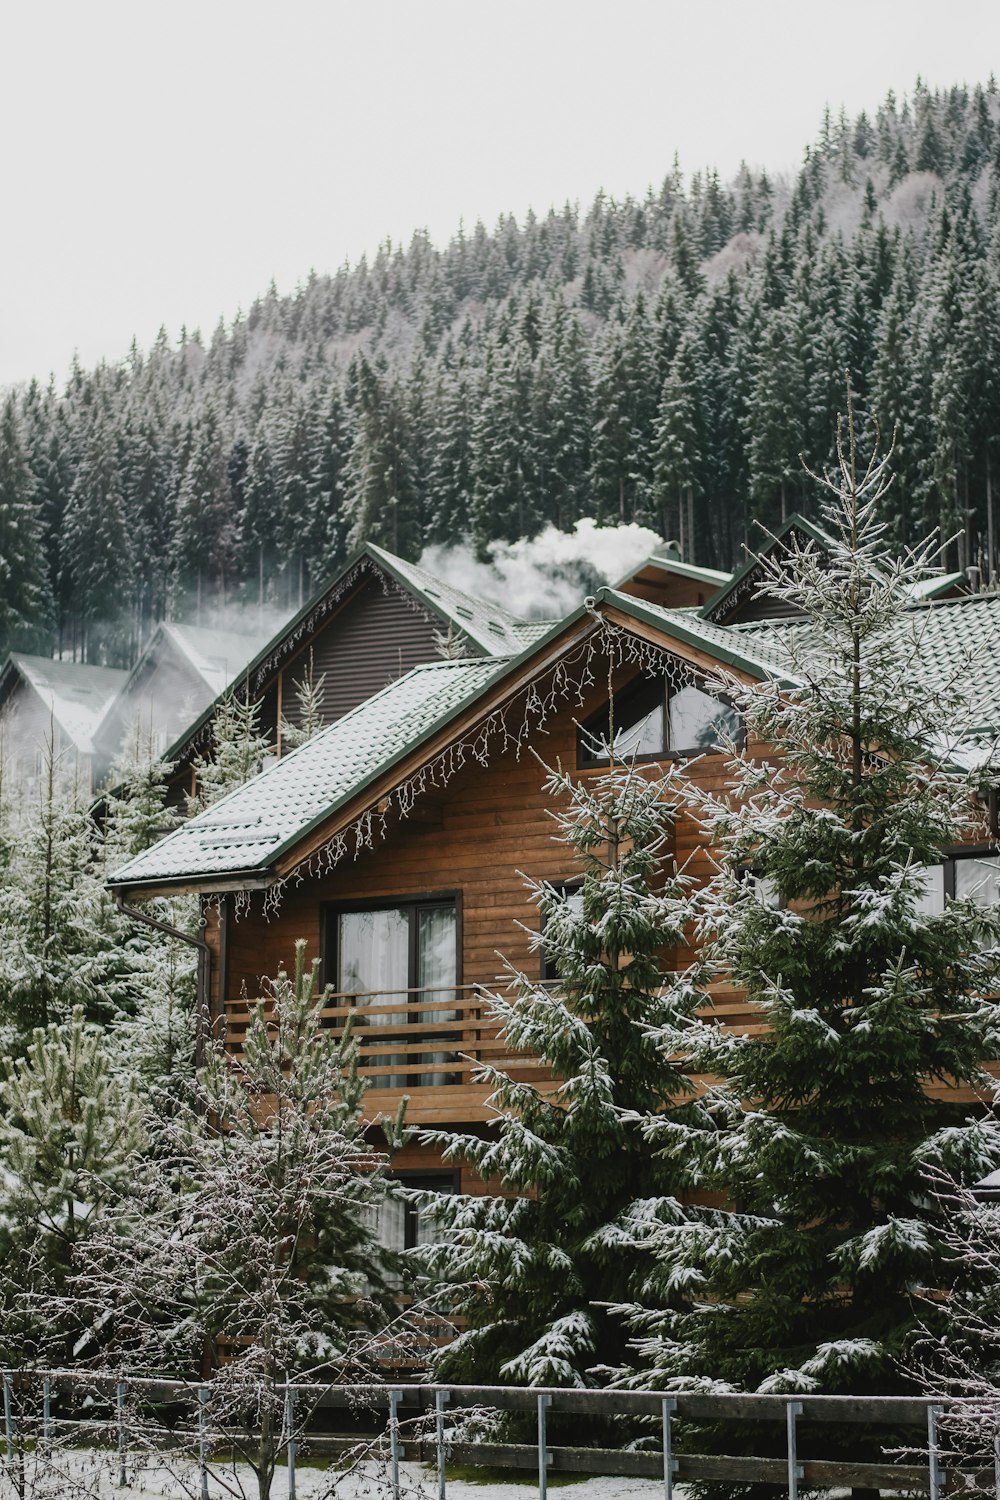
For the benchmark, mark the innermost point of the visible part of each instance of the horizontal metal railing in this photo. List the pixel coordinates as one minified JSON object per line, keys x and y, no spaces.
{"x":430,"y":1424}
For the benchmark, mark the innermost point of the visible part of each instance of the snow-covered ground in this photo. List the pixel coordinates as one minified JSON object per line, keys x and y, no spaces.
{"x":73,"y":1477}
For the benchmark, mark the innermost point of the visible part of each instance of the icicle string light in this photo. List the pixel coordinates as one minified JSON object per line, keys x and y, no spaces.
{"x":507,"y":727}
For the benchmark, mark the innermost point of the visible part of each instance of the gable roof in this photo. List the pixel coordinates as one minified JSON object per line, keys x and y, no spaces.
{"x":742,"y":584}
{"x":246,"y":831}
{"x":218,"y":656}
{"x":242,"y":838}
{"x":661,"y":563}
{"x":75,"y":694}
{"x":491,"y":628}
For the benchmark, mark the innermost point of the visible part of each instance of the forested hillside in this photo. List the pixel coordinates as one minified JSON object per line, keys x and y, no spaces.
{"x":664,"y":361}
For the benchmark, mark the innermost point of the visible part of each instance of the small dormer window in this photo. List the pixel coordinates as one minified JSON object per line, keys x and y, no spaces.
{"x":649,"y":720}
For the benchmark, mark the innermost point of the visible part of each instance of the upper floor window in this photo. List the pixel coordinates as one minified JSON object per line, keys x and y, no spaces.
{"x":974,"y":876}
{"x":648,"y":720}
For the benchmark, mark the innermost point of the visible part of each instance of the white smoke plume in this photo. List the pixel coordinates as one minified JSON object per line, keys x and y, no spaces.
{"x":545,"y":576}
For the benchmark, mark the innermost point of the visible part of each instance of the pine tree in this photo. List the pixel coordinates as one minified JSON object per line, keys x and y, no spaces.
{"x":248,"y":1241}
{"x":70,"y":1124}
{"x":62,"y":942}
{"x":532,"y":1274}
{"x":310,"y":716}
{"x":25,"y":600}
{"x":237,"y":750}
{"x":868,"y":1001}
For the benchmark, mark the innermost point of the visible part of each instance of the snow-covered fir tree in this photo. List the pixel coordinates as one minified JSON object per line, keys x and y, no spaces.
{"x":532,"y":1271}
{"x":70,"y":1124}
{"x":248,"y":1241}
{"x":156,"y":1037}
{"x":237,"y":751}
{"x":875,"y":1006}
{"x":309,"y":700}
{"x":62,"y":943}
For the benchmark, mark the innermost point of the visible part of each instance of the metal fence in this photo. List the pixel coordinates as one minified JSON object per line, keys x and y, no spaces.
{"x":431,"y":1423}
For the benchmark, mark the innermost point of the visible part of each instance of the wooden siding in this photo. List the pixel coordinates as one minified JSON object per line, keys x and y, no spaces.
{"x":374,"y":639}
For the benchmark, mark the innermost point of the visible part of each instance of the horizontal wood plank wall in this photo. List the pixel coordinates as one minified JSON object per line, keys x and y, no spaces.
{"x":374,"y":639}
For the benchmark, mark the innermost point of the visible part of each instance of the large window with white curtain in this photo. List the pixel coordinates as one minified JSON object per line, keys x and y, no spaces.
{"x":401,"y":962}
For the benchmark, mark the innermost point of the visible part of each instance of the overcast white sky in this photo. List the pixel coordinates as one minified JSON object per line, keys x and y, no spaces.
{"x":162,"y":162}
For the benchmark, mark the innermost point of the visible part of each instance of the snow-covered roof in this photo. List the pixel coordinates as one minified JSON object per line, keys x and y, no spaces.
{"x":492,"y":628}
{"x":251,"y":827}
{"x":75,"y":694}
{"x":956,"y":635}
{"x":667,"y":563}
{"x":218,"y":656}
{"x":246,"y":833}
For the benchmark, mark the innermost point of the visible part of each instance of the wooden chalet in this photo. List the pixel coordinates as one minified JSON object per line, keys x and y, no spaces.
{"x":54,"y":708}
{"x":394,"y":841}
{"x":375,"y":621}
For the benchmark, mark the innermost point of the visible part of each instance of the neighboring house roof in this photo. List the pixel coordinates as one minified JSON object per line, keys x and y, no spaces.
{"x":669,"y":564}
{"x":742,"y":583}
{"x":937,"y":587}
{"x":218,"y":656}
{"x":251,"y":827}
{"x":75,"y":694}
{"x":490,"y":630}
{"x":242,"y":837}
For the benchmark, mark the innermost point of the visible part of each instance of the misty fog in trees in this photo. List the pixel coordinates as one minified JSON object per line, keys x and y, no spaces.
{"x":665,"y":361}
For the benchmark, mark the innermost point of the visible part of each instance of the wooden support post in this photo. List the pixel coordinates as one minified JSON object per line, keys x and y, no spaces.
{"x":203,"y":1440}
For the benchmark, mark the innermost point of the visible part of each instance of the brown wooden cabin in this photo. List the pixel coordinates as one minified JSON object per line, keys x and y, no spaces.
{"x":394,"y":842}
{"x":375,"y":621}
{"x":408,"y":913}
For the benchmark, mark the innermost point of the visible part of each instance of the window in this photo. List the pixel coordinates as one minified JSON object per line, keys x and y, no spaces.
{"x":399,"y":1225}
{"x":971,"y":876}
{"x":572,"y":893}
{"x":647,"y":720}
{"x":401,"y":962}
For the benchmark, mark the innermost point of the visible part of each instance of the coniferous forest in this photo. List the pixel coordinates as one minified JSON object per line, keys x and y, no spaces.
{"x":669,"y":361}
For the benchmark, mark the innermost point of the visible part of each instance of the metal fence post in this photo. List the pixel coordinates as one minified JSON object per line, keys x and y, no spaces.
{"x":203,"y":1395}
{"x":440,"y":1401}
{"x":933,"y":1456}
{"x":290,"y":1424}
{"x":793,"y":1412}
{"x":46,"y":1414}
{"x":120,"y":1408}
{"x":8,"y":1413}
{"x":544,"y":1456}
{"x":394,"y":1400}
{"x":669,"y":1462}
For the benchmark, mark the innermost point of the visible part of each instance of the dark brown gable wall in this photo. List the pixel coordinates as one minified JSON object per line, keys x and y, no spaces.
{"x":375,"y":639}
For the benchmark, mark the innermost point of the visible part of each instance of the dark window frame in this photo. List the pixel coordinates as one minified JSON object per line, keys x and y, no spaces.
{"x":950,"y":857}
{"x":424,"y":1180}
{"x":636,"y":694}
{"x":570,"y":887}
{"x":331,"y":910}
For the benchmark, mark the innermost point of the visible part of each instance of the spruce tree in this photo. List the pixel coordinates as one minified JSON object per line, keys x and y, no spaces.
{"x":872,"y":1009}
{"x":535,"y":1274}
{"x":237,"y":751}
